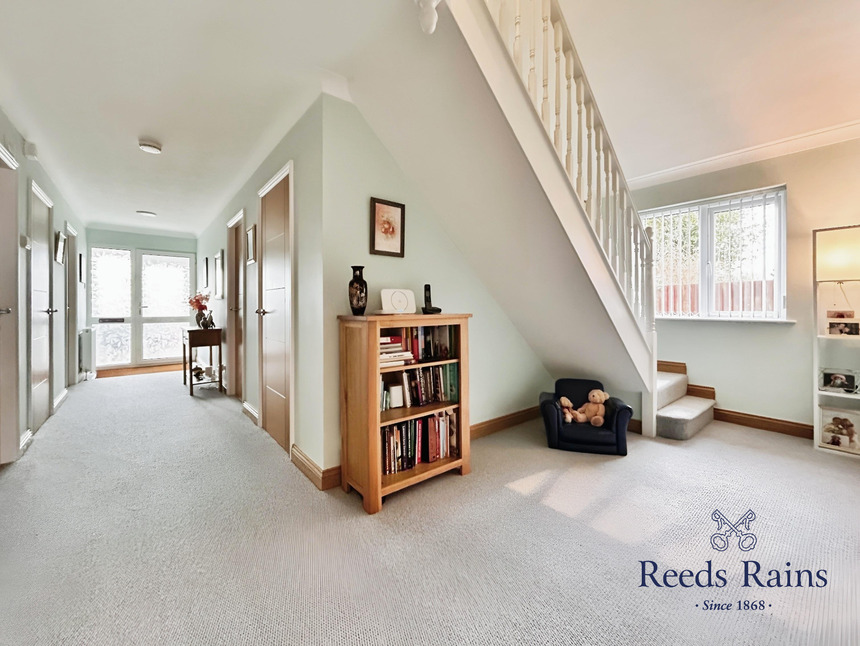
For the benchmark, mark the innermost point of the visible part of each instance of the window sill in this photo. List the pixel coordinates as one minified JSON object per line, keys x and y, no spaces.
{"x":718,"y":319}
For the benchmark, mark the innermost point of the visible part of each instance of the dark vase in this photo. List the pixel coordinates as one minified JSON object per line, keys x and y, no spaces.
{"x":204,"y":320}
{"x":200,"y":318}
{"x":357,"y":291}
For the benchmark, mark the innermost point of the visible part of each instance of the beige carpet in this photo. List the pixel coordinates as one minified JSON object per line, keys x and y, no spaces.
{"x":142,"y":516}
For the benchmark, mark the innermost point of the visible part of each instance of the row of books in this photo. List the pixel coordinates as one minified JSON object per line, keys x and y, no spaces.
{"x":421,"y":386}
{"x":427,"y":343}
{"x":419,"y":441}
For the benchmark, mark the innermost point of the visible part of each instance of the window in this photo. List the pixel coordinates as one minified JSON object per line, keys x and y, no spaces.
{"x":722,"y":257}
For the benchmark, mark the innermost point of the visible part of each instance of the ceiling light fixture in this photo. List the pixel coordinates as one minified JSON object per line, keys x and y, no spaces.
{"x":146,"y":214}
{"x":149,"y":146}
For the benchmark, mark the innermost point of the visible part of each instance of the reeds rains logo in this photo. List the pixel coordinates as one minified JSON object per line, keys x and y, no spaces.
{"x":728,"y":534}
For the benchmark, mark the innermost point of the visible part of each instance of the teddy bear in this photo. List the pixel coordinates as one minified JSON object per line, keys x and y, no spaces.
{"x":591,"y":411}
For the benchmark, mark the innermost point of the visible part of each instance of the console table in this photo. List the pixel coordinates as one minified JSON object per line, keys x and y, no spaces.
{"x":200,"y":338}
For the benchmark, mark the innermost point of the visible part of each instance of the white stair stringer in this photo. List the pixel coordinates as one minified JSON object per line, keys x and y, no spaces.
{"x":461,"y":129}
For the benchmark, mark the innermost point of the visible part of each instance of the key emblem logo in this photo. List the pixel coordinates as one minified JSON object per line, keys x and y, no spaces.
{"x":726,"y":529}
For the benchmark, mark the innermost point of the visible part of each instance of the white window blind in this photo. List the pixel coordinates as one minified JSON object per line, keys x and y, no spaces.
{"x":722,"y":257}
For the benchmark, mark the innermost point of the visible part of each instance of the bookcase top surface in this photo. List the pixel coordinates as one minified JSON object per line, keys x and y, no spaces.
{"x":407,"y":319}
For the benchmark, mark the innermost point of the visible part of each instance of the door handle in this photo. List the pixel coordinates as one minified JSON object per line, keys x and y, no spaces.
{"x":50,"y":311}
{"x":234,"y":309}
{"x":5,"y":310}
{"x":261,"y":312}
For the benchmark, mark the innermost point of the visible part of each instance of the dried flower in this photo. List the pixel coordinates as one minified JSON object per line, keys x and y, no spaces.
{"x":198,"y":301}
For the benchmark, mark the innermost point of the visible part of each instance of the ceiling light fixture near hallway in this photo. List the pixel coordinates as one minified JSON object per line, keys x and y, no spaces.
{"x":146,"y":214}
{"x":149,"y":146}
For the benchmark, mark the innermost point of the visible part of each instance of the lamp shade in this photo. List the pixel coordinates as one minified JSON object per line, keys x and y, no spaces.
{"x":837,"y":254}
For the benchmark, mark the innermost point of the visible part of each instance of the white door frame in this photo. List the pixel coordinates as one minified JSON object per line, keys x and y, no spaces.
{"x":235,"y":264}
{"x":10,"y":422}
{"x":37,"y":192}
{"x":72,"y":273}
{"x":288,"y":172}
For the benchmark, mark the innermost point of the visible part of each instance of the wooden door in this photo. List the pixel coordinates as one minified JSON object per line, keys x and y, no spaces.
{"x":235,"y":307}
{"x":40,"y":309}
{"x":275,"y":311}
{"x":9,"y":423}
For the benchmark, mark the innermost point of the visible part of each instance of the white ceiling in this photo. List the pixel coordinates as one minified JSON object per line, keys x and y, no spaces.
{"x":219,"y":82}
{"x":681,"y":81}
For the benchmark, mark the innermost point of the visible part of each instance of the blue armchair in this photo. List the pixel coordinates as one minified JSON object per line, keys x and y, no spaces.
{"x":611,"y":438}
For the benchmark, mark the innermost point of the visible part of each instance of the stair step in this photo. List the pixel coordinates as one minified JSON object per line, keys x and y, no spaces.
{"x":670,"y":387}
{"x":683,"y":418}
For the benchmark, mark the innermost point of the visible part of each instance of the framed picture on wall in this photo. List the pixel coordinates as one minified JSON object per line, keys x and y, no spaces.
{"x":82,"y":270}
{"x":60,"y":247}
{"x":251,"y":244}
{"x":219,"y":274}
{"x":387,"y":228}
{"x":206,"y":273}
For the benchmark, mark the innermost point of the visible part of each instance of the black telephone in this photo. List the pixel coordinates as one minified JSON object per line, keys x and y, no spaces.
{"x":428,"y":302}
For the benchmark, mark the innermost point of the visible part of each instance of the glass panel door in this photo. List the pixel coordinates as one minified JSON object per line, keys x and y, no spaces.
{"x":165,"y":286}
{"x":110,"y":302}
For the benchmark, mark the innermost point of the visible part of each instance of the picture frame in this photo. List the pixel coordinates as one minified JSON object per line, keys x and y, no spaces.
{"x":219,"y":274}
{"x":843,"y":328}
{"x":60,"y":247}
{"x":82,"y":270}
{"x":840,"y":314}
{"x":206,"y":272}
{"x":839,"y":429}
{"x":251,"y":245}
{"x":387,"y":228}
{"x":838,"y":380}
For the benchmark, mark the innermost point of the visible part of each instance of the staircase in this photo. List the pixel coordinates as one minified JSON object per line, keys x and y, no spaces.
{"x":679,"y":415}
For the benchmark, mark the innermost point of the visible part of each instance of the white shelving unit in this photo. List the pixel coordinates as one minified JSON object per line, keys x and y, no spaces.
{"x":836,"y":356}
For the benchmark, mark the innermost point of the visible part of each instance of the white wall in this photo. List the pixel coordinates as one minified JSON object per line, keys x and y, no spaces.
{"x":761,"y":368}
{"x":29,"y":171}
{"x":339,"y":165}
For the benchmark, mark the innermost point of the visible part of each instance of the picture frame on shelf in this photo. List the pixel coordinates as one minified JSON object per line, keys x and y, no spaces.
{"x":251,"y":245}
{"x":843,"y":328}
{"x":838,"y":380}
{"x":60,"y":247}
{"x":387,"y":228}
{"x":840,"y":314}
{"x":839,"y":429}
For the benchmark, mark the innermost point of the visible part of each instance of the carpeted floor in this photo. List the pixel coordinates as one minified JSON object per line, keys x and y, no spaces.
{"x":142,"y":516}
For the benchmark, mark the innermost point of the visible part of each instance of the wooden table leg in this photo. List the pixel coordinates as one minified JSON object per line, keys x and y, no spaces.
{"x":220,"y":382}
{"x":184,"y":369}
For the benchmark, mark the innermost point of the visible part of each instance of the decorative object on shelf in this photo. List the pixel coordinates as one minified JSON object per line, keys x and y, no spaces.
{"x":387,"y":228}
{"x":838,"y":380}
{"x":428,"y":302}
{"x":219,"y":274}
{"x":838,"y":429}
{"x":60,"y":248}
{"x":251,"y":244}
{"x":398,"y":301}
{"x":843,"y":328}
{"x":198,"y":303}
{"x":358,"y":291}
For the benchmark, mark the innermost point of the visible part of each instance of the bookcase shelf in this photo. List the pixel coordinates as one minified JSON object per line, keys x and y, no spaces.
{"x":366,"y":452}
{"x":426,"y":364}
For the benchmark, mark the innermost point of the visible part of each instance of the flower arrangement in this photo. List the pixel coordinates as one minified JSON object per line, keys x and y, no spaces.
{"x":198,"y":301}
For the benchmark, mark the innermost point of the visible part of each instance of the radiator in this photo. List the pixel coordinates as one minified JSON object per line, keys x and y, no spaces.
{"x":87,"y":350}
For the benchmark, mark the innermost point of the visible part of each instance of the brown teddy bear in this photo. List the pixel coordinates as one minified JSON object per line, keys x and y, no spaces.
{"x":591,"y":411}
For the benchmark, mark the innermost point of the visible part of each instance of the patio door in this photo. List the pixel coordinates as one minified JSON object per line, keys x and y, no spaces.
{"x":139,"y":305}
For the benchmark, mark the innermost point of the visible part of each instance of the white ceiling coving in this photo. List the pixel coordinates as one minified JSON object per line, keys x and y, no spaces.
{"x":218,"y":83}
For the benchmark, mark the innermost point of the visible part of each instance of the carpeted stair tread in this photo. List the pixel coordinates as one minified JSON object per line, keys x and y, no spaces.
{"x":671,"y":386}
{"x":683,"y":418}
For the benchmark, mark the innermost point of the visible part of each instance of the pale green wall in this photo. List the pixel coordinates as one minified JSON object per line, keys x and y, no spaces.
{"x":97,"y":237}
{"x":62,"y":213}
{"x":339,"y":165}
{"x":760,"y":368}
{"x":505,"y":374}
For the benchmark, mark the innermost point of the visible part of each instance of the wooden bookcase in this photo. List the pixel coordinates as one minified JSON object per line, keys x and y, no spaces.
{"x":361,"y":418}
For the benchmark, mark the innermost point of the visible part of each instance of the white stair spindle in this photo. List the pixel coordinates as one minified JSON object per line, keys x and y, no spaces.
{"x":533,"y":31}
{"x":559,"y":84}
{"x":580,"y":133}
{"x":616,"y":228}
{"x":518,"y":47}
{"x":598,"y":181}
{"x":607,"y":196}
{"x":546,"y":44}
{"x":589,"y":179}
{"x":568,"y":158}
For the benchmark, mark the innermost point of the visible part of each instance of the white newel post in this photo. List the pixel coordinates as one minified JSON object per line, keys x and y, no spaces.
{"x":649,"y":402}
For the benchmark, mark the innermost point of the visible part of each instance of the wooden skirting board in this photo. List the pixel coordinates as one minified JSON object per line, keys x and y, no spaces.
{"x":764,"y":423}
{"x":322,"y":478}
{"x":482,"y":429}
{"x":672,"y":366}
{"x":705,"y":392}
{"x":142,"y":370}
